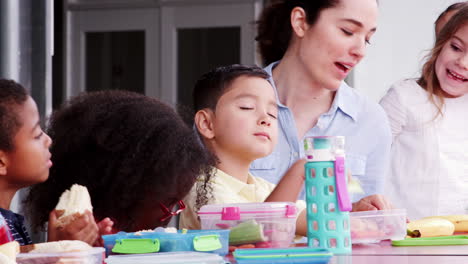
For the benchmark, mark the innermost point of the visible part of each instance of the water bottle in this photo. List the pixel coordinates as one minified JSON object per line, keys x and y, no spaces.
{"x":327,"y":198}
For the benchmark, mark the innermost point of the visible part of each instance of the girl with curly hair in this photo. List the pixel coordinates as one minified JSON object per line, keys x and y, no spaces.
{"x":135,"y":155}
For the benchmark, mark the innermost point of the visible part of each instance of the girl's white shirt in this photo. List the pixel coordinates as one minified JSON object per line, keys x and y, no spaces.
{"x":429,"y":159}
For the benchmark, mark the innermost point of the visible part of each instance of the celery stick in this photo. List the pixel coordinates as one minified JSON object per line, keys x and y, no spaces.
{"x":246,"y":232}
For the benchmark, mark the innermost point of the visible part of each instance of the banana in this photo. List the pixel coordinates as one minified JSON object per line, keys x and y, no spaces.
{"x":460,"y":221}
{"x":430,"y":227}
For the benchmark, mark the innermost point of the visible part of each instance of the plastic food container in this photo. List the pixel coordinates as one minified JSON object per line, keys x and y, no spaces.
{"x":167,"y":258}
{"x":92,"y":256}
{"x":259,"y":225}
{"x":208,"y":241}
{"x":374,"y":226}
{"x":283,"y":255}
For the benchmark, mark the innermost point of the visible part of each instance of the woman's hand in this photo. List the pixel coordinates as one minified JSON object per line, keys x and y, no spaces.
{"x":372,"y":203}
{"x":81,"y":227}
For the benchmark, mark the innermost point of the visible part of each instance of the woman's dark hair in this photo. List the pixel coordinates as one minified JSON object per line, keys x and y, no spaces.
{"x":129,"y":150}
{"x":12,"y":96}
{"x":274,"y":26}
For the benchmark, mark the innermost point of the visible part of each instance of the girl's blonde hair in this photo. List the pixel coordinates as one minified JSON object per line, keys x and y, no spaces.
{"x":428,"y":79}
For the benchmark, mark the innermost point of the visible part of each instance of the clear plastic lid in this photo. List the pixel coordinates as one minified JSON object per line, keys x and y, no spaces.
{"x":235,"y":210}
{"x":324,"y":148}
{"x":92,"y":256}
{"x":167,"y":258}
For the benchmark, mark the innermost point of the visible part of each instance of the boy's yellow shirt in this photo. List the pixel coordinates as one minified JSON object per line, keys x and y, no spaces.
{"x":228,"y":189}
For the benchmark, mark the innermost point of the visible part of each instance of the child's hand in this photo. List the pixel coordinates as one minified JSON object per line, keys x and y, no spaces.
{"x":105,"y":228}
{"x":290,"y":184}
{"x":82,"y":227}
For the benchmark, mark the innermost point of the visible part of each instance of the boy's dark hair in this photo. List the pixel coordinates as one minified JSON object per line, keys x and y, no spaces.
{"x":213,"y":84}
{"x":128,"y":149}
{"x":12,"y":95}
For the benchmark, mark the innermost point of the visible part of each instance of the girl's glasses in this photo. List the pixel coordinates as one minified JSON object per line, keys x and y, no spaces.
{"x":168,"y":213}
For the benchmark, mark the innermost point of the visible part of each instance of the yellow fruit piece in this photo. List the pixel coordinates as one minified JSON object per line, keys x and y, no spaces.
{"x":430,"y":227}
{"x":354,"y":186}
{"x":460,"y":221}
{"x":10,"y":249}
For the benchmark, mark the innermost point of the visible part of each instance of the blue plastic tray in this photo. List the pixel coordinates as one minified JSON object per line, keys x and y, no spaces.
{"x":297,"y":255}
{"x":170,"y":242}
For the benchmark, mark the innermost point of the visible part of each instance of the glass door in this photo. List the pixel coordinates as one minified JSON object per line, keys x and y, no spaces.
{"x":199,"y":50}
{"x":196,"y":38}
{"x":113,"y":49}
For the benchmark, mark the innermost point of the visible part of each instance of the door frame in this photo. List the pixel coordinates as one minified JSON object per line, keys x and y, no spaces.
{"x":160,"y":20}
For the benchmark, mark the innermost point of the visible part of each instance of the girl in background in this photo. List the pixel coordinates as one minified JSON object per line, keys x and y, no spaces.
{"x":429,"y":168}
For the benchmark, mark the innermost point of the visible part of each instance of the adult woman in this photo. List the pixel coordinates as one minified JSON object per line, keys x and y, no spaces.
{"x":429,"y":172}
{"x":310,"y":47}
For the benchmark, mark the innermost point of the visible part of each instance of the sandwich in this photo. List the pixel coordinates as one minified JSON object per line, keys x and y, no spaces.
{"x":73,"y":203}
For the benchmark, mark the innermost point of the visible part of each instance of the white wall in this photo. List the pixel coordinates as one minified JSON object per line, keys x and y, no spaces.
{"x":405,"y":33}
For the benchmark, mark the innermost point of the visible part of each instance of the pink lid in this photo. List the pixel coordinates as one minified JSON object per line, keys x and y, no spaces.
{"x":230,"y":213}
{"x":291,"y":211}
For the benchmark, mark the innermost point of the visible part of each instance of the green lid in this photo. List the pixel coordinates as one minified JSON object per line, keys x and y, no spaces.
{"x":432,"y":241}
{"x":282,"y":253}
{"x":136,"y":246}
{"x":206,"y":243}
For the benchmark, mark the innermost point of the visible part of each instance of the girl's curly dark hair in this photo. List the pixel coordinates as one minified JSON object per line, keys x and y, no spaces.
{"x":129,"y":150}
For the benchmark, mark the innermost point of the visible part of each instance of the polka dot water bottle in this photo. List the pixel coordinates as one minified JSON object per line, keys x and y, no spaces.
{"x":328,"y":203}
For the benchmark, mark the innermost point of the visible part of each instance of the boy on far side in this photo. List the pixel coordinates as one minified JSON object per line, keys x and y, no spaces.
{"x":236,"y":117}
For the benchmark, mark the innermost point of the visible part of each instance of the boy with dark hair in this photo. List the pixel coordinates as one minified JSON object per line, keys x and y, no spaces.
{"x":236,"y":116}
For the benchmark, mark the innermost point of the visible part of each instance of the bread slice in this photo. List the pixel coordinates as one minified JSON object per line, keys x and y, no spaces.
{"x":9,"y":250}
{"x":4,"y":259}
{"x":56,"y":247}
{"x":73,"y":201}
